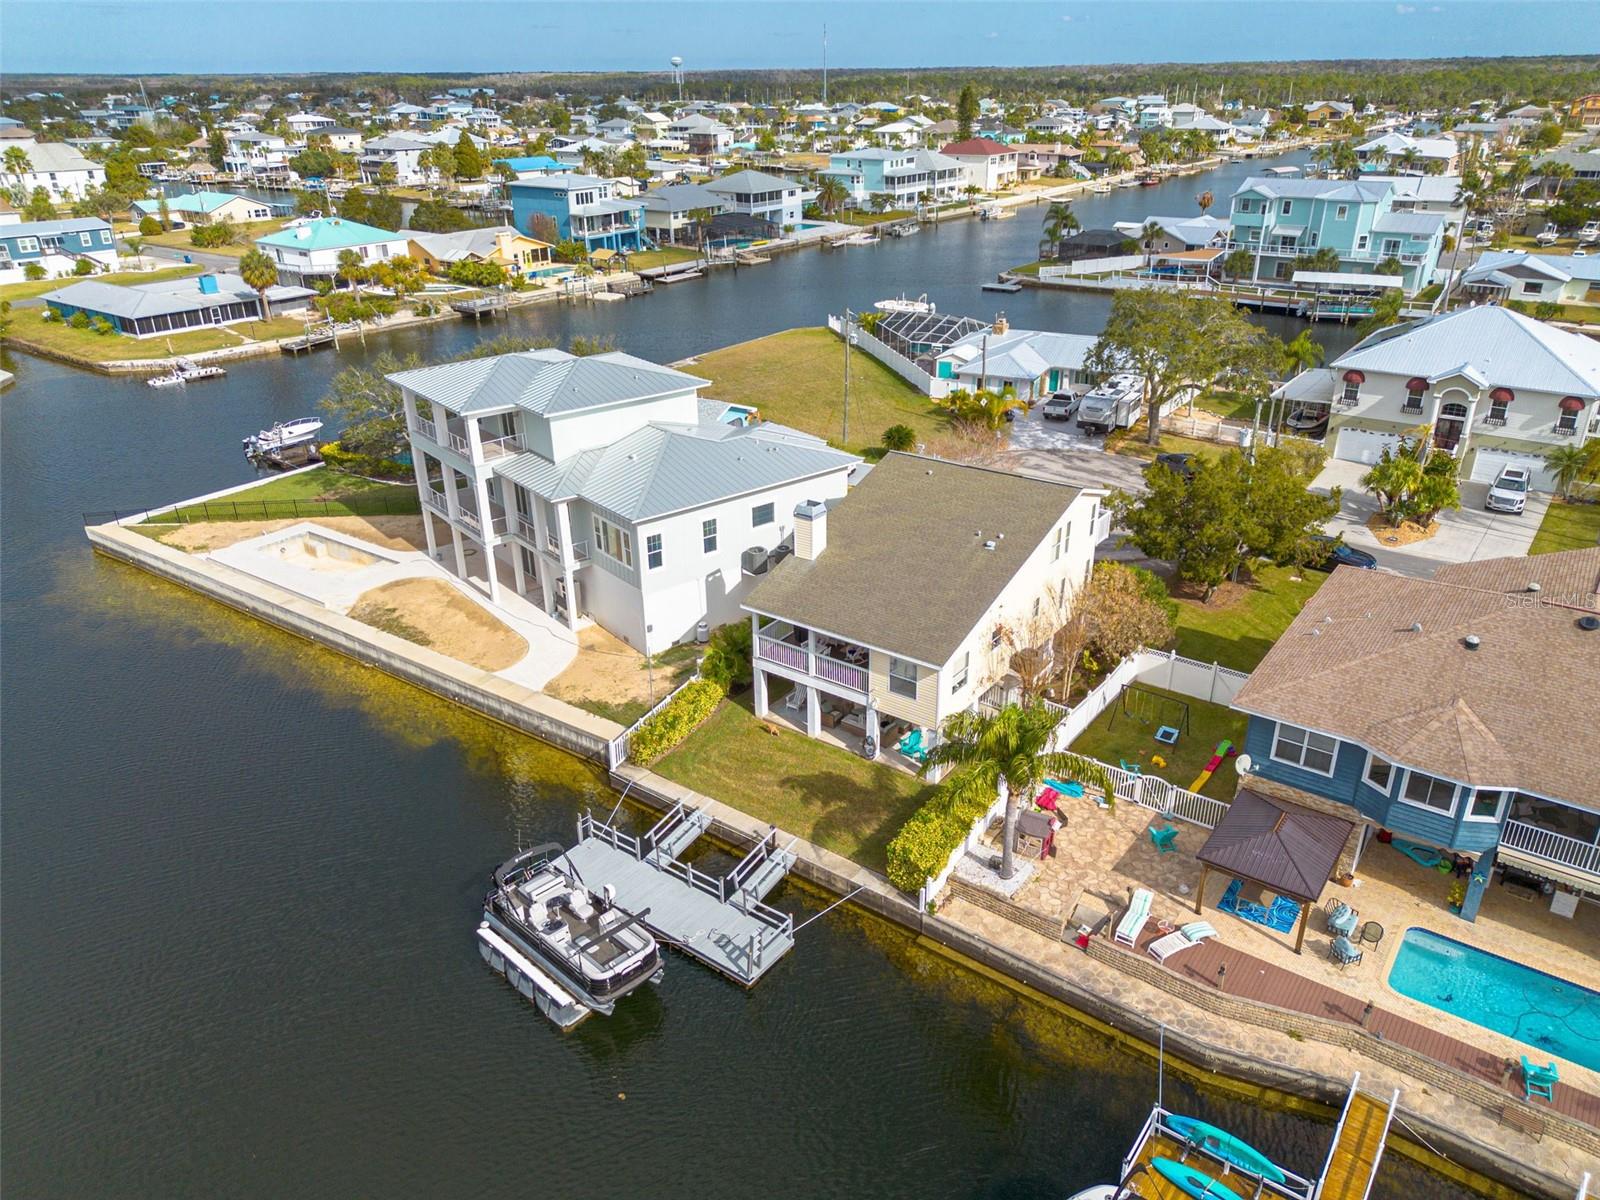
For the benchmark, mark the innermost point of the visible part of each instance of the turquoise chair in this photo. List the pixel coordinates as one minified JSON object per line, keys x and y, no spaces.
{"x":1539,"y":1082}
{"x":1130,"y":768}
{"x":1165,"y":838}
{"x":913,"y":747}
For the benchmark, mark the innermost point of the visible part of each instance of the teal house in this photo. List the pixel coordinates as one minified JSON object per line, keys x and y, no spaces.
{"x":1280,"y":220}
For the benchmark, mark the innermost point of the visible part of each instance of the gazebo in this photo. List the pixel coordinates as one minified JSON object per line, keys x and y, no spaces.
{"x":1285,"y":848}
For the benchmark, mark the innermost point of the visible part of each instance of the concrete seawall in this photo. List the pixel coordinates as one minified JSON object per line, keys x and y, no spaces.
{"x":531,"y":712}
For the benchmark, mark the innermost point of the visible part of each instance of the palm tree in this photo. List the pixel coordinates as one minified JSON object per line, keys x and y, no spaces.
{"x":1301,"y":354}
{"x":17,"y":163}
{"x":1006,"y":755}
{"x":1560,"y":172}
{"x":352,"y":269}
{"x":1205,"y":200}
{"x":1059,"y":221}
{"x":258,"y":270}
{"x":1568,"y":464}
{"x":1148,"y":237}
{"x":1408,"y":161}
{"x":831,"y":193}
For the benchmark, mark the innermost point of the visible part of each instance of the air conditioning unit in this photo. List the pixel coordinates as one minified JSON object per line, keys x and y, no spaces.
{"x":755,"y":560}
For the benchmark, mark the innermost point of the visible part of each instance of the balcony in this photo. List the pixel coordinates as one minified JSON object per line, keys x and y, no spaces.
{"x":500,"y":447}
{"x":840,"y":664}
{"x":1535,"y":842}
{"x":423,"y":427}
{"x":436,"y":501}
{"x":552,"y":543}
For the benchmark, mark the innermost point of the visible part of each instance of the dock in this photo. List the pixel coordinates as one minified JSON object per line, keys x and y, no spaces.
{"x":720,"y":920}
{"x":680,"y":276}
{"x":480,"y":306}
{"x":1357,"y":1146}
{"x":1003,"y":284}
{"x":309,"y":342}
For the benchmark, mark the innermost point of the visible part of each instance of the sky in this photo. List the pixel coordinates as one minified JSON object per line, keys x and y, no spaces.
{"x":129,"y":37}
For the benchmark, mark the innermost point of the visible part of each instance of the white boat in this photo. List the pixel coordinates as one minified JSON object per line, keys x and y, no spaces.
{"x":859,"y":239}
{"x":281,"y":436}
{"x":902,"y":304}
{"x":184,"y":370}
{"x":1100,"y":189}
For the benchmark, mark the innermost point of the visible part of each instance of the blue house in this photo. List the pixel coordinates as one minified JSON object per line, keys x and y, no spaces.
{"x":1431,"y":713}
{"x":55,"y":246}
{"x":583,"y":209}
{"x":1279,"y":220}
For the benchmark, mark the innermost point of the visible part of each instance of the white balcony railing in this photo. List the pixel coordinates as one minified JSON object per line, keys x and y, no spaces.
{"x":845,"y":674}
{"x":425,"y":428}
{"x":436,"y":501}
{"x":524,"y":529}
{"x":797,"y":658}
{"x":457,"y":443}
{"x":501,"y":446}
{"x":1551,"y":846}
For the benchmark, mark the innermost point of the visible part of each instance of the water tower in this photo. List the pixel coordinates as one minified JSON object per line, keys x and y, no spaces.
{"x":677,"y":75}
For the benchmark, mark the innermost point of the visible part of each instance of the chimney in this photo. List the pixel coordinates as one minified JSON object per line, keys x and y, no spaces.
{"x":810,"y":530}
{"x":1001,"y":325}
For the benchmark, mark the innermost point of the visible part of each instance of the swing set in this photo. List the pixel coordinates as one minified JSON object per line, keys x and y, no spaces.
{"x":1154,"y":711}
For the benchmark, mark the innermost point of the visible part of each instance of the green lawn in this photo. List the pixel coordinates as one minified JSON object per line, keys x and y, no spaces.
{"x":179,"y":239}
{"x":666,"y":256}
{"x":1126,"y":732}
{"x":29,"y":329}
{"x":797,"y":378}
{"x":827,"y":795}
{"x":1567,"y":526}
{"x":1228,"y":404}
{"x":862,"y":216}
{"x":1239,"y":626}
{"x":23,"y":291}
{"x":1132,"y":443}
{"x":322,"y":492}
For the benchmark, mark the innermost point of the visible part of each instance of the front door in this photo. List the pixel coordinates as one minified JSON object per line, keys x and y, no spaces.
{"x":1447,"y":433}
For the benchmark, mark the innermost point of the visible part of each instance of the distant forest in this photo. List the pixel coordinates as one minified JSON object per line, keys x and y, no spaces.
{"x":1414,"y":83}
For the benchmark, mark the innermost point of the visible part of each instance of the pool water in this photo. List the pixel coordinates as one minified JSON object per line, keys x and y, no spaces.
{"x":1548,"y":1015}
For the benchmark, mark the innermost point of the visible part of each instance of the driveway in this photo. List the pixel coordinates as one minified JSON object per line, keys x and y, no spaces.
{"x":1466,"y":535}
{"x":1056,"y":450}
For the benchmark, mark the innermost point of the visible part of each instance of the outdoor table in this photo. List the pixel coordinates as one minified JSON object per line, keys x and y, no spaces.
{"x":1371,"y":933}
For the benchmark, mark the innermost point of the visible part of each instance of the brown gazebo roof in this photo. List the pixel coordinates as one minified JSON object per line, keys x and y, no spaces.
{"x":1282,"y":846}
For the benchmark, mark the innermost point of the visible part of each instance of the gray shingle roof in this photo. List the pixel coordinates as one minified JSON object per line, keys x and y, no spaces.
{"x":547,"y":382}
{"x":161,"y":299}
{"x":906,"y":569}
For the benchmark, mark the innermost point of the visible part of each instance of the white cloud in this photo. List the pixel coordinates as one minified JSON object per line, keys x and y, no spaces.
{"x":1404,"y":9}
{"x":991,"y":35}
{"x":1067,"y":18}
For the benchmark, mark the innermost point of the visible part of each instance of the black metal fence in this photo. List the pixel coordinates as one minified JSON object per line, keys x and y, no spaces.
{"x":263,"y":510}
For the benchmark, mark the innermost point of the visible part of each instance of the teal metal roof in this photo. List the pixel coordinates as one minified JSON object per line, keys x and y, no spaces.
{"x":327,"y":233}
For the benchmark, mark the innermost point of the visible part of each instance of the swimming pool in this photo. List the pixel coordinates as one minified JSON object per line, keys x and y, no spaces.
{"x":1544,"y":1013}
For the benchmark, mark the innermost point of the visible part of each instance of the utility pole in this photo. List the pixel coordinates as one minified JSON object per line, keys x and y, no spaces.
{"x":825,"y":66}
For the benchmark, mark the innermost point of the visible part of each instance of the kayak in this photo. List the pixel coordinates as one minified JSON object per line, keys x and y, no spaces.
{"x":1192,"y":1182}
{"x":1224,"y":1147}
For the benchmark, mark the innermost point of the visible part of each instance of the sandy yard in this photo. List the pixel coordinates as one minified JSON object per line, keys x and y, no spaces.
{"x":608,"y":669}
{"x":431,"y":613}
{"x":391,"y":533}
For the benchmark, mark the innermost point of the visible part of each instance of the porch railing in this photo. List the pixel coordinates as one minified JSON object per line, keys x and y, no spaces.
{"x":456,"y":442}
{"x":785,"y":653}
{"x":436,"y":501}
{"x":1552,"y":846}
{"x":501,"y":446}
{"x":843,"y":673}
{"x":426,"y":428}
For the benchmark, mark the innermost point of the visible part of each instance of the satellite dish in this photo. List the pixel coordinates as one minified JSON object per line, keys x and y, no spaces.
{"x":1242,"y":764}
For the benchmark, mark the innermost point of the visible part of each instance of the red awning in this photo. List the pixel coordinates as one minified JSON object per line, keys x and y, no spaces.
{"x":1503,"y":395}
{"x":1571,"y":404}
{"x":1416,"y":384}
{"x":1355,"y":377}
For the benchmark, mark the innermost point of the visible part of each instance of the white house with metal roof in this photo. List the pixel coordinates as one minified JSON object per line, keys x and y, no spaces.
{"x":1492,"y":387}
{"x":1532,"y":277}
{"x":596,"y":487}
{"x":307,"y":250}
{"x":1032,"y":362}
{"x":757,"y":194}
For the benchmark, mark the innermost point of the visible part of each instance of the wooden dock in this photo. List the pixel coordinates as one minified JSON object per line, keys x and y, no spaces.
{"x":480,"y":306}
{"x":309,"y":342}
{"x":719,"y":920}
{"x":1357,"y":1147}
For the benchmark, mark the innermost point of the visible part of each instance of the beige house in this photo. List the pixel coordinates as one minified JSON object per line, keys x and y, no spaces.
{"x":913,"y":597}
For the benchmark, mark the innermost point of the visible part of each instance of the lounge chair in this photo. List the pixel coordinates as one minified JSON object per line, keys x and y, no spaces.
{"x":1539,"y":1081}
{"x":1164,"y":838}
{"x":1191,"y":934}
{"x":913,"y":746}
{"x":1130,"y":768}
{"x":1344,"y":952}
{"x":1132,"y":924}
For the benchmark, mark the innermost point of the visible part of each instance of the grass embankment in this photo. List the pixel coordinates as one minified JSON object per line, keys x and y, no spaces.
{"x":1243,"y":620}
{"x":29,"y":330}
{"x":247,"y":233}
{"x":1567,"y":526}
{"x":797,"y":378}
{"x":1125,"y":732}
{"x":862,"y":216}
{"x":318,"y":492}
{"x":27,"y":290}
{"x":825,"y":794}
{"x":666,"y":256}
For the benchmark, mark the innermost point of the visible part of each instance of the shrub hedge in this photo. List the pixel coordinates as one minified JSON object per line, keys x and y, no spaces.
{"x":363,"y":464}
{"x":927,"y":839}
{"x":693,"y":704}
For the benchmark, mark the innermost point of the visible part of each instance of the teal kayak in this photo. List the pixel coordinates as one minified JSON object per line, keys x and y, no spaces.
{"x":1190,"y":1181}
{"x":1224,"y":1147}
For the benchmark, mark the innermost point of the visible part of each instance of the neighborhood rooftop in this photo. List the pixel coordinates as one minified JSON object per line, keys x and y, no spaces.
{"x":548,"y":382}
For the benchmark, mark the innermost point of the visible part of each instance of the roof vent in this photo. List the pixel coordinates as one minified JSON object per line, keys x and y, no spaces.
{"x":1589,"y":623}
{"x":1471,"y":641}
{"x":1533,"y":585}
{"x":1416,"y":627}
{"x":989,"y":545}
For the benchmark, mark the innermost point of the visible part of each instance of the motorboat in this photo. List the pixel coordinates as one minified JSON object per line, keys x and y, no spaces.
{"x":282,"y":436}
{"x":571,"y":951}
{"x":183,"y":370}
{"x":903,"y":304}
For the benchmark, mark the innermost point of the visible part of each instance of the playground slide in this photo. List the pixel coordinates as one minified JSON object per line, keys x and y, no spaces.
{"x":1224,"y":750}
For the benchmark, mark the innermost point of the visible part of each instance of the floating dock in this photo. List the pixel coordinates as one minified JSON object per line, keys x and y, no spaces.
{"x":719,"y":920}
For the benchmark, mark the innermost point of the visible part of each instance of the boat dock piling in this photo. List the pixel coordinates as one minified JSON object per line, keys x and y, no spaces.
{"x":719,"y":920}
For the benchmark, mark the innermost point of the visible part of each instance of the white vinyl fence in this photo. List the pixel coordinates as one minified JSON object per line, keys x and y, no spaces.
{"x":1092,"y":266}
{"x":928,"y":385}
{"x":617,"y":750}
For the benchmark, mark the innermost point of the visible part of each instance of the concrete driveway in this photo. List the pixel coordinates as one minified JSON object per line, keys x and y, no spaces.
{"x":1466,"y":535}
{"x":1056,"y":450}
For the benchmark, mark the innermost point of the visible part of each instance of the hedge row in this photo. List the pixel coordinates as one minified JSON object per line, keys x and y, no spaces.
{"x":363,"y":464}
{"x":928,"y":838}
{"x":693,"y":704}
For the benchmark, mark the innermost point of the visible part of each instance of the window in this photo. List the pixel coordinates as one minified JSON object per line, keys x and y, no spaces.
{"x":652,"y":551}
{"x":1487,"y":804}
{"x":1414,"y":397}
{"x":1497,"y":412}
{"x":959,"y":679}
{"x":1302,"y":748}
{"x":1352,"y":391}
{"x":1361,"y":242}
{"x":1036,"y":605}
{"x":105,"y":237}
{"x":1428,"y":792}
{"x":1532,"y":287}
{"x":708,"y":535}
{"x":1567,"y":422}
{"x":1379,"y":773}
{"x":996,"y":637}
{"x":615,"y":543}
{"x":27,"y":245}
{"x":1287,"y":207}
{"x":761,"y":514}
{"x":1341,"y":212}
{"x":902,"y":677}
{"x":1055,"y":545}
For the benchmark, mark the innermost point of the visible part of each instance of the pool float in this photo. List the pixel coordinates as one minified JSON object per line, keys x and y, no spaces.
{"x":1423,"y":856}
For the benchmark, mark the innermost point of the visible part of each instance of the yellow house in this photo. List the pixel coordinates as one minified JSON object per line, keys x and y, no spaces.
{"x":518,"y":253}
{"x":1585,"y":110}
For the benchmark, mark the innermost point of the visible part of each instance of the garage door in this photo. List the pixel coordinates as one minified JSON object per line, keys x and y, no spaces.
{"x":1363,"y":445}
{"x":1486,"y":465}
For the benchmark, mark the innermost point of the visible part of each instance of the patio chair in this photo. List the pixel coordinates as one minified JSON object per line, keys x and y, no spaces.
{"x":1344,"y":952}
{"x":1130,"y":768}
{"x":1342,"y":918}
{"x":1132,"y":923}
{"x":1539,"y":1081}
{"x":913,"y":746}
{"x":1165,"y":838}
{"x":1192,"y":934}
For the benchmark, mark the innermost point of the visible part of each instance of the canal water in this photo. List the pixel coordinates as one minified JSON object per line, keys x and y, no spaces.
{"x":240,"y":875}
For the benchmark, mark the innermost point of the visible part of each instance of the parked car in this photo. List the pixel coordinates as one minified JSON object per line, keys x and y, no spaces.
{"x":1509,"y":491}
{"x":1308,"y":421}
{"x":1061,"y":406}
{"x":1183,"y":464}
{"x":1334,"y":553}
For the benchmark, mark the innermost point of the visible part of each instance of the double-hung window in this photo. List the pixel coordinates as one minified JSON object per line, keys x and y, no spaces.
{"x":1055,"y":545}
{"x":1379,"y":773}
{"x":1430,"y":792}
{"x":958,"y":678}
{"x":708,"y":535}
{"x":652,"y":551}
{"x":1304,"y":748}
{"x":902,"y":677}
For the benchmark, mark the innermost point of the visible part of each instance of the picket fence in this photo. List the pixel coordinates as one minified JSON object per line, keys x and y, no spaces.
{"x":617,"y":750}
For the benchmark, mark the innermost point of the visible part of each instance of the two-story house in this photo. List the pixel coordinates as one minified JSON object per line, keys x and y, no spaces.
{"x":1393,"y":151}
{"x":675,"y":213}
{"x":906,"y":601}
{"x":400,"y":151}
{"x":1425,"y":708}
{"x":606,"y":487}
{"x":308,"y":249}
{"x":1279,"y":220}
{"x":253,"y":152}
{"x":701,"y":134}
{"x":57,"y":246}
{"x":905,"y":176}
{"x":765,"y":197}
{"x":1491,"y":387}
{"x":990,"y":165}
{"x":583,"y":209}
{"x":61,"y":170}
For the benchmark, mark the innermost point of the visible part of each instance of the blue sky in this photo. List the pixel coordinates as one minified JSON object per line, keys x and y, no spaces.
{"x":155,"y":36}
